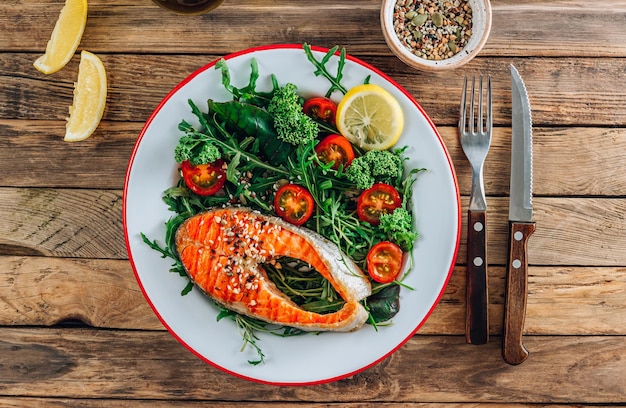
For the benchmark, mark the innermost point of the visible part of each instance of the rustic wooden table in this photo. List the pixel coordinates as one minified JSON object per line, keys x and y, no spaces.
{"x":75,"y":328}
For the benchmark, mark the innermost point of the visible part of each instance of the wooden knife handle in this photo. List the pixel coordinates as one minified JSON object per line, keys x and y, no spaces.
{"x":513,"y":350}
{"x":477,"y":302}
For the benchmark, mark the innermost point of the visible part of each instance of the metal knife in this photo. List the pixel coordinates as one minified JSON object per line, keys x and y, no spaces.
{"x":521,"y":225}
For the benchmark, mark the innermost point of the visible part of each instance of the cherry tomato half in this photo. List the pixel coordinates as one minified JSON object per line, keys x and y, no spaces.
{"x":294,"y":204}
{"x":204,"y":179}
{"x":384,"y":262}
{"x":379,"y":199}
{"x":321,"y":108}
{"x":335,"y":148}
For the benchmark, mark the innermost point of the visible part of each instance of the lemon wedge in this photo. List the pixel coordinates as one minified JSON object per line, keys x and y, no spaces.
{"x":90,"y":94}
{"x":370,"y":117}
{"x":65,"y":37}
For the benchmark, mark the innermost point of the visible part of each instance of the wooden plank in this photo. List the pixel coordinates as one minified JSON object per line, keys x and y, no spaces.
{"x":80,"y":363}
{"x":561,"y":300}
{"x":45,"y":160}
{"x":63,"y":223}
{"x":86,"y":223}
{"x":530,"y":28}
{"x":114,"y":403}
{"x":562,"y":92}
{"x":570,"y":231}
{"x":117,"y":26}
{"x":567,"y":161}
{"x":36,"y":291}
{"x":137,"y":83}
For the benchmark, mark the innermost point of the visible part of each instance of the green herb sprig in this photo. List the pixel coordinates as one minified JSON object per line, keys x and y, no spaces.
{"x":321,"y":67}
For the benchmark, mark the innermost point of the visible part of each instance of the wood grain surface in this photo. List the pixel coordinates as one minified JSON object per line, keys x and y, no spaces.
{"x":75,"y":328}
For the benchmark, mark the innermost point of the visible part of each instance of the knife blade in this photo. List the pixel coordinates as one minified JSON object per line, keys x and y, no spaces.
{"x":521,"y":225}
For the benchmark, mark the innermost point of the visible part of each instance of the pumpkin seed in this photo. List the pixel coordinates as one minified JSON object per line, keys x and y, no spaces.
{"x":437,"y":19}
{"x":419,"y":19}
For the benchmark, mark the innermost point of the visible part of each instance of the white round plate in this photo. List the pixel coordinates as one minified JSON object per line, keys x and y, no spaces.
{"x":191,"y":319}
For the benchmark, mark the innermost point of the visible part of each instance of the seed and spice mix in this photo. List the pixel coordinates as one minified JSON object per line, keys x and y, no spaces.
{"x":433,"y":29}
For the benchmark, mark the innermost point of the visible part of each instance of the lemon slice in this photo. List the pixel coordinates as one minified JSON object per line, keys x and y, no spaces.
{"x":65,"y":37}
{"x":90,"y":94}
{"x":370,"y":117}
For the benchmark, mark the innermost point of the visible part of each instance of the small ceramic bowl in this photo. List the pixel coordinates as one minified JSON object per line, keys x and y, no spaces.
{"x":423,"y":26}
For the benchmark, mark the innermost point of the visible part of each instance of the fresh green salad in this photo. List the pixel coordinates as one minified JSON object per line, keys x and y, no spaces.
{"x":283,"y":155}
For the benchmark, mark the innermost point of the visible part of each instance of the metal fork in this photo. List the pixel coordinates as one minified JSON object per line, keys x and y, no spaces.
{"x":475,"y":135}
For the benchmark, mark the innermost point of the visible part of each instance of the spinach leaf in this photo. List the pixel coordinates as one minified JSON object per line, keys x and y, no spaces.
{"x":250,"y":120}
{"x":384,"y":304}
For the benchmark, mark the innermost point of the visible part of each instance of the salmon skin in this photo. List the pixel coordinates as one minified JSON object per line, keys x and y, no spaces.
{"x":223,"y":252}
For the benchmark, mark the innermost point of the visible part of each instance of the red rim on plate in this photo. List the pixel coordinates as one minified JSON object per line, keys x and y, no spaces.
{"x":245,"y":373}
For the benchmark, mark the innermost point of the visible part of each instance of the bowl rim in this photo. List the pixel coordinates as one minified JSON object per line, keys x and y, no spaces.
{"x":480,"y":8}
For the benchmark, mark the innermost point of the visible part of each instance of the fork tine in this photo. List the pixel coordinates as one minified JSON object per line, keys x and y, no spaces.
{"x":489,"y":107}
{"x":463,"y":108}
{"x":472,"y":125}
{"x":480,"y":122}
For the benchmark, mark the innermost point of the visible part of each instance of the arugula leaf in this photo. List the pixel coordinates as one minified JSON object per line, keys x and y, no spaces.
{"x":322,"y":70}
{"x":247,"y":94}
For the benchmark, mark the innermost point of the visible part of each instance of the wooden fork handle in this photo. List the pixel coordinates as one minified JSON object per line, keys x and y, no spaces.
{"x":513,"y":350}
{"x":477,"y":302}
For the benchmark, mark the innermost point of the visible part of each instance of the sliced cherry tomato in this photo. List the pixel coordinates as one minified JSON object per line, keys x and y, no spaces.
{"x":204,"y":179}
{"x":384,"y":262}
{"x":379,"y":199}
{"x":335,"y":148}
{"x":294,"y":204}
{"x":321,"y":108}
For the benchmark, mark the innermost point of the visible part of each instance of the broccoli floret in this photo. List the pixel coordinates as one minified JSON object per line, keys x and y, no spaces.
{"x":376,"y":166}
{"x":196,"y":151}
{"x":359,"y":172}
{"x":208,"y":154}
{"x":291,"y":124}
{"x":183,"y":149}
{"x":398,"y":227}
{"x":386,"y":165}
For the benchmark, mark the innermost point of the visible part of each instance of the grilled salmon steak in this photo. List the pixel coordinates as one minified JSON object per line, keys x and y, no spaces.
{"x":223,"y":252}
